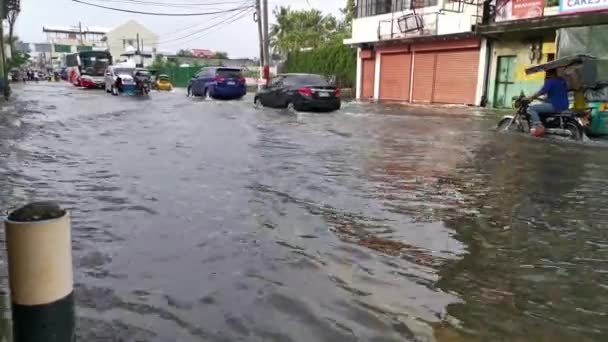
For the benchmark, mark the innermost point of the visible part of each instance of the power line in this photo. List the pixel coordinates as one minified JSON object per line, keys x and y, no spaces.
{"x":208,"y":29}
{"x":212,"y":28}
{"x":162,"y":14}
{"x":241,"y":3}
{"x":174,"y":5}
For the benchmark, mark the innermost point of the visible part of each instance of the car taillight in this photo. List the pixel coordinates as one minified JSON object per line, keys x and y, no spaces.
{"x":218,"y":79}
{"x":305,"y":91}
{"x":338,"y":93}
{"x":242,"y":80}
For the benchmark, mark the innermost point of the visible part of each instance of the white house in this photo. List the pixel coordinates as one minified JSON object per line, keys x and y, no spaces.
{"x":131,"y":37}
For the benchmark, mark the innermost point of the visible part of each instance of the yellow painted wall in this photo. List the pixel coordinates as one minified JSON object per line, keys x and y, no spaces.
{"x":521,"y":50}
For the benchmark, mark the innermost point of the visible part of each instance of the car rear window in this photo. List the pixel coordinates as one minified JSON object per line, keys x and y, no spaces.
{"x":229,"y":73}
{"x":301,"y":80}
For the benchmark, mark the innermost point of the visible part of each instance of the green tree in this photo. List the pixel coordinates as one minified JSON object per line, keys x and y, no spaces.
{"x":184,"y":53}
{"x":220,"y":55}
{"x":11,"y":18}
{"x":18,"y":58}
{"x":300,"y":29}
{"x":349,"y":12}
{"x":158,"y":63}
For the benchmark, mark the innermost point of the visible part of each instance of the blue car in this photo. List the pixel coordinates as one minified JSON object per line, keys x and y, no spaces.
{"x":218,"y":83}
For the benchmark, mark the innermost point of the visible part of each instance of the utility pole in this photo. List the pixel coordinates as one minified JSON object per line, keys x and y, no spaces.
{"x":258,"y":12}
{"x":137,"y":52}
{"x":80,"y":30}
{"x":6,"y":87}
{"x":141,"y":55}
{"x":266,"y":44}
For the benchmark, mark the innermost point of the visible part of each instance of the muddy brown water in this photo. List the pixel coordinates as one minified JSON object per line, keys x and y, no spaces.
{"x":214,"y":221}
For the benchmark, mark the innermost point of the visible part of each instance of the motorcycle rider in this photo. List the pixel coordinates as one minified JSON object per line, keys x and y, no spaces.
{"x":556,"y":89}
{"x":140,"y":81}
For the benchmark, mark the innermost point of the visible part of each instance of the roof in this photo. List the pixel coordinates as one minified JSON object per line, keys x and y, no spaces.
{"x":75,"y":29}
{"x":558,"y":63}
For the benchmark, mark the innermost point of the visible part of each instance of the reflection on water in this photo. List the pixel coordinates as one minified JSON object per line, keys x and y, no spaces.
{"x":203,"y":220}
{"x":6,"y":332}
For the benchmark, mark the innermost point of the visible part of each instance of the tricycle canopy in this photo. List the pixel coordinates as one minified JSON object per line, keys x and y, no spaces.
{"x":559,"y":63}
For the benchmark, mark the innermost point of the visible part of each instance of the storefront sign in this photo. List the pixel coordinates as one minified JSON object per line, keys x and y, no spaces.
{"x":574,"y":6}
{"x":519,"y":9}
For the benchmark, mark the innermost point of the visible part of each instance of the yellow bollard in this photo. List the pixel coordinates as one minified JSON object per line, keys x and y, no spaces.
{"x":39,"y":248}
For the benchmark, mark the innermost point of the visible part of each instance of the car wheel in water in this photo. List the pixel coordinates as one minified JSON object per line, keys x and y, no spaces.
{"x":256,"y":102}
{"x":291,"y":107}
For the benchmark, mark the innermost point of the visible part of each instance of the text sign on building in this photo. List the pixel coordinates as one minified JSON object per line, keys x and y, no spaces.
{"x":519,"y":9}
{"x":574,"y":6}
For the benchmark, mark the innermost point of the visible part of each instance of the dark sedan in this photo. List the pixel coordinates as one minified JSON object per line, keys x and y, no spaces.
{"x":303,"y":92}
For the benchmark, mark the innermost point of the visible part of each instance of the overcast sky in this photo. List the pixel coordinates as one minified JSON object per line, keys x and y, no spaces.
{"x":239,"y":39}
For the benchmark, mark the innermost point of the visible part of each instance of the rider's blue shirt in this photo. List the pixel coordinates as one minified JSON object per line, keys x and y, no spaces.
{"x":556,"y":90}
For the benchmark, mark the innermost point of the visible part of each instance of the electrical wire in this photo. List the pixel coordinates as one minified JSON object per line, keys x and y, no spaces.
{"x":163,"y":14}
{"x":178,"y":5}
{"x":239,"y":3}
{"x":166,"y":36}
{"x":212,"y":28}
{"x":205,"y":30}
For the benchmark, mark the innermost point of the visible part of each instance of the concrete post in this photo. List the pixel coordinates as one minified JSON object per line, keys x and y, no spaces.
{"x":39,"y":248}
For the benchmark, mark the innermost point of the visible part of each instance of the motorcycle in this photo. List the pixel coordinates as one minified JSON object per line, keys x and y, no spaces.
{"x":142,"y":87}
{"x":569,"y":123}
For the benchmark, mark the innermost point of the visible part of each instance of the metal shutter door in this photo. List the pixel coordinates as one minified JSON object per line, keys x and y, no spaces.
{"x":424,"y":77}
{"x":395,"y":76}
{"x":456,"y":76}
{"x":367,"y":74}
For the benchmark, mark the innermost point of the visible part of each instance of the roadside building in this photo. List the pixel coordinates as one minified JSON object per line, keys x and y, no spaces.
{"x":521,"y":33}
{"x":419,"y":51}
{"x":70,"y":39}
{"x":202,"y":53}
{"x":129,"y":40}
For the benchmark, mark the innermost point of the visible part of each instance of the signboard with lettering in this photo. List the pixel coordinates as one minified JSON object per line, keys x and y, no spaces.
{"x":519,"y":9}
{"x":575,"y":6}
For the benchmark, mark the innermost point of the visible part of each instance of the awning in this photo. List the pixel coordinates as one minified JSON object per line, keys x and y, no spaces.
{"x":558,"y":63}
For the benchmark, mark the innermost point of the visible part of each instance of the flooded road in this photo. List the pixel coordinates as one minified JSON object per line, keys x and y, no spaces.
{"x":213,"y":221}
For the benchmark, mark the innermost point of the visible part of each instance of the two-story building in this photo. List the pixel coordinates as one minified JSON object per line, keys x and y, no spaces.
{"x":419,"y":51}
{"x":70,"y":39}
{"x":522,"y":33}
{"x":132,"y":40}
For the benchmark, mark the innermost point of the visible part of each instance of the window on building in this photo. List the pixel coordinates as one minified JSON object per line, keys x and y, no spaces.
{"x":72,"y":36}
{"x":367,"y":8}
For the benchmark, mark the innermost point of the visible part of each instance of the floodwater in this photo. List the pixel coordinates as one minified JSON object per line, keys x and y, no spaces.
{"x":203,"y":220}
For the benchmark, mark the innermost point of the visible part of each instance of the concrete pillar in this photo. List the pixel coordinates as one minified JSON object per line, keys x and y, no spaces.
{"x":39,"y":248}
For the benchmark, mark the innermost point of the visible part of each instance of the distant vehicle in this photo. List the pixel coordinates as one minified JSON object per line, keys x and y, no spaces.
{"x":218,"y":82}
{"x":302,"y":92}
{"x":142,"y":79}
{"x":64,"y":74}
{"x":119,"y":79}
{"x":163,"y":83}
{"x":86,"y":68}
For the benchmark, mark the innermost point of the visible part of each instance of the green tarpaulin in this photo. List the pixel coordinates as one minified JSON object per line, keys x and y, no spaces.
{"x":590,"y":40}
